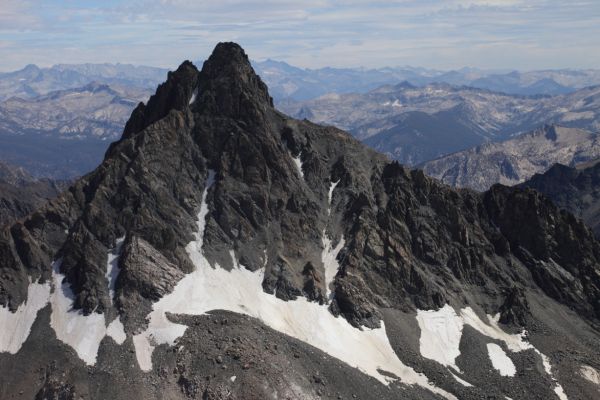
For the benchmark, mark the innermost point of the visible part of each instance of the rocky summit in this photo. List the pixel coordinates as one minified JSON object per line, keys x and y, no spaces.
{"x":223,"y":250}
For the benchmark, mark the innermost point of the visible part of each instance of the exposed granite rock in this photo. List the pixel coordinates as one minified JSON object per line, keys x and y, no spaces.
{"x":146,"y":276}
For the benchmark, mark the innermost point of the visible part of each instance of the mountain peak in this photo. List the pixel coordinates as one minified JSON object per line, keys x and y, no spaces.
{"x":227,"y":85}
{"x":218,"y":217}
{"x":229,"y":82}
{"x":229,"y":52}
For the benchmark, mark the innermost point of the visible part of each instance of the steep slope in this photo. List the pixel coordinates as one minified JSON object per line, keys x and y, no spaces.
{"x":576,"y":190}
{"x":515,"y":160}
{"x":417,"y":136}
{"x":224,"y":250}
{"x":21,"y":194}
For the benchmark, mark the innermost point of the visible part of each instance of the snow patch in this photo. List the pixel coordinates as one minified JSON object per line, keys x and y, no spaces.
{"x":330,"y":263}
{"x":112,"y":267}
{"x":591,"y":374}
{"x":441,"y":331}
{"x":82,"y":332}
{"x":329,"y":254}
{"x":193,"y":98}
{"x":330,"y":196}
{"x":143,"y":351}
{"x":116,"y":331}
{"x":560,"y":392}
{"x":500,"y":360}
{"x":240,"y":290}
{"x":15,"y":327}
{"x":298,"y":163}
{"x":558,"y":389}
{"x":396,"y":103}
{"x":514,"y":342}
{"x":461,"y":381}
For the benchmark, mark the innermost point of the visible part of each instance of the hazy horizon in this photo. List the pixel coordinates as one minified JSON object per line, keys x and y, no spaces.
{"x":446,"y":35}
{"x":199,"y":62}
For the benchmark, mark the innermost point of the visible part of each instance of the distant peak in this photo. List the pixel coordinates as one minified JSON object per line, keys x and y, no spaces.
{"x":96,"y":86}
{"x":405,"y":85}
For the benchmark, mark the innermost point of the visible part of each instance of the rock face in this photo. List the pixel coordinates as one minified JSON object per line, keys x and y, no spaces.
{"x":213,"y":200}
{"x":573,"y":189}
{"x":21,"y":194}
{"x":513,"y":161}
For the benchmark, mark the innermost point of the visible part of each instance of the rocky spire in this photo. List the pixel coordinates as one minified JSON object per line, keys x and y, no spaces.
{"x":174,"y":94}
{"x":228,"y":84}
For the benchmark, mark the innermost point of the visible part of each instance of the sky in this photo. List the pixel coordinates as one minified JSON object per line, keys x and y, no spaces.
{"x":440,"y":34}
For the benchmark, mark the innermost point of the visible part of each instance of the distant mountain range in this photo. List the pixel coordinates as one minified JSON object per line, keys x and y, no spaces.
{"x":293,"y":83}
{"x":32,"y":81}
{"x":417,"y":124}
{"x":513,"y":161}
{"x":223,"y":250}
{"x":65,"y":133}
{"x":575,"y":189}
{"x":57,"y":122}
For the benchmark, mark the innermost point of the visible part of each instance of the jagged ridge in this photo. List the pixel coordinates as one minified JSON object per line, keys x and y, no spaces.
{"x":409,"y":241}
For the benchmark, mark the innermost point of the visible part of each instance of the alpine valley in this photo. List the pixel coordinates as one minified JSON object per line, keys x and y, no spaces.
{"x":223,"y":250}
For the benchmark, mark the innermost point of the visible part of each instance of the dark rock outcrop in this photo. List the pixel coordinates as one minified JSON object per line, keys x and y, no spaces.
{"x":574,"y":189}
{"x":21,"y":194}
{"x":410,"y":242}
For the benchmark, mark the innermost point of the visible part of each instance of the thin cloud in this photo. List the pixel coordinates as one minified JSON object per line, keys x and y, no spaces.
{"x":432,"y":33}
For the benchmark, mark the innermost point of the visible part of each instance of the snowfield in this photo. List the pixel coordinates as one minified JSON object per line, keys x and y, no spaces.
{"x":440,"y":335}
{"x":210,"y":288}
{"x":81,"y":332}
{"x":15,"y":327}
{"x":441,"y":332}
{"x":500,"y":360}
{"x":298,"y":163}
{"x":240,"y":290}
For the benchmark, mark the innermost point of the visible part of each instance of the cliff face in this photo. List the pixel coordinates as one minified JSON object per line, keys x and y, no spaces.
{"x":21,"y":194}
{"x":213,"y":200}
{"x":574,"y":189}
